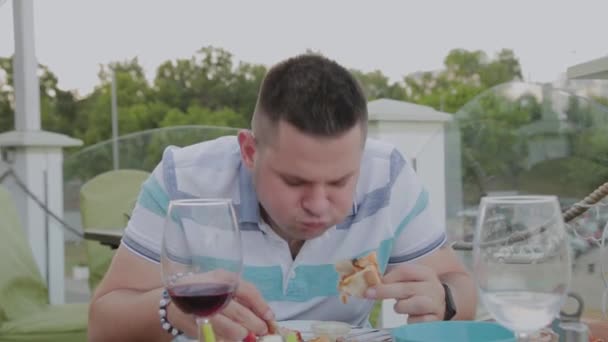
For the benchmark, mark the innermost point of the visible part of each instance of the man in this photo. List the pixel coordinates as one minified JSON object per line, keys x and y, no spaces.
{"x":311,"y":190}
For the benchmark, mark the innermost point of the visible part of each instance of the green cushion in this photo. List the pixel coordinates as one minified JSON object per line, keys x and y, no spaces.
{"x":65,"y":323}
{"x":105,"y":203}
{"x":22,"y":289}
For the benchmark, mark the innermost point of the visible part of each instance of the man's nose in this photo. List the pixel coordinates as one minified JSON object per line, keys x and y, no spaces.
{"x":315,"y":202}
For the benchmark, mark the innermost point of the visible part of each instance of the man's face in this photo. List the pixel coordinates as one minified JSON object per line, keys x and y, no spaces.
{"x":306,"y":184}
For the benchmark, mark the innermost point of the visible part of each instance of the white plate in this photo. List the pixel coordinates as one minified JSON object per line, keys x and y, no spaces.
{"x":303,"y":326}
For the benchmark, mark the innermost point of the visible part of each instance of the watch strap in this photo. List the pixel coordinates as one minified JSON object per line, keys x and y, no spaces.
{"x":450,"y":306}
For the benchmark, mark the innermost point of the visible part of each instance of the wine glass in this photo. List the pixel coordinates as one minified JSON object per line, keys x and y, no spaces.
{"x":201,"y":259}
{"x":604,"y":266}
{"x":521,"y":261}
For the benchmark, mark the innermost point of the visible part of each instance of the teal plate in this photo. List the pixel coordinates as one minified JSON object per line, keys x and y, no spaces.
{"x":454,"y":331}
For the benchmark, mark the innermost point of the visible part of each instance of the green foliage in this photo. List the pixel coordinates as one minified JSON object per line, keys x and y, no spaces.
{"x":493,"y":145}
{"x":542,"y":140}
{"x":58,"y":108}
{"x":376,"y":85}
{"x":211,"y":89}
{"x":196,"y":115}
{"x":209,"y":80}
{"x":141,"y":150}
{"x":6,"y":95}
{"x":466,"y":74}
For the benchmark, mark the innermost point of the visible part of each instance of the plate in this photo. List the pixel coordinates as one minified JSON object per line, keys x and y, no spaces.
{"x":305,"y":328}
{"x":454,"y":331}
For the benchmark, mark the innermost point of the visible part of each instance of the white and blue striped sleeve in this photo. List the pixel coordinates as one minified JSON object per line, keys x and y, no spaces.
{"x":416,"y":232}
{"x":143,"y":234}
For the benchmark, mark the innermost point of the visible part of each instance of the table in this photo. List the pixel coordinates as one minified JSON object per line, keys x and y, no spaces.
{"x":106,"y":237}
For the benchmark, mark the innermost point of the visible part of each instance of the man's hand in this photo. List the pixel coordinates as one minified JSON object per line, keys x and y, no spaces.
{"x":416,"y":288}
{"x":246,"y":312}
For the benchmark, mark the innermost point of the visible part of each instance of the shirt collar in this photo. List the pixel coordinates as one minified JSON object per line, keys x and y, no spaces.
{"x":249,"y":210}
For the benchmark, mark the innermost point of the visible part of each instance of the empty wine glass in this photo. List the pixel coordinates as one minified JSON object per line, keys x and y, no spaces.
{"x":604,"y":268}
{"x":201,"y":259}
{"x":522,"y":262}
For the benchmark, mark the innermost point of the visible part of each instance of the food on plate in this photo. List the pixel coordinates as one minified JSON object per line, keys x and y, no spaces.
{"x":357,"y":275}
{"x":330,"y":331}
{"x":275,"y":329}
{"x":250,"y":338}
{"x":319,"y":339}
{"x":324,"y":331}
{"x":545,"y":335}
{"x":272,"y":338}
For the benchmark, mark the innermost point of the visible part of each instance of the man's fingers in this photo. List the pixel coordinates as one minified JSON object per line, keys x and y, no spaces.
{"x":243,"y":316}
{"x":226,"y":328}
{"x":416,"y":306}
{"x":422,"y":318}
{"x":249,"y":296}
{"x":397,"y":290}
{"x":408,"y":272}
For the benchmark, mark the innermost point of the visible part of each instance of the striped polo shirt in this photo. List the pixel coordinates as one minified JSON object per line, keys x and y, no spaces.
{"x":390,"y":215}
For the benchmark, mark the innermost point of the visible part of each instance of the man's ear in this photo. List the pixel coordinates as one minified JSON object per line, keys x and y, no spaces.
{"x":248,"y":148}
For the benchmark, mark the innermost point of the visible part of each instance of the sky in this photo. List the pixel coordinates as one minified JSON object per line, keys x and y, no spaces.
{"x":73,"y":37}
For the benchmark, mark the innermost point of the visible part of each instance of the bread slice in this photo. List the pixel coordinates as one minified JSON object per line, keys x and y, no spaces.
{"x":357,"y":275}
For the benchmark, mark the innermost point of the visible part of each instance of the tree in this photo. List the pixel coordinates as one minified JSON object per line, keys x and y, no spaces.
{"x":493,"y":143}
{"x":601,"y":100}
{"x":532,"y":139}
{"x":7,"y":97}
{"x":137,"y":108}
{"x":588,"y":167}
{"x":58,"y":108}
{"x":466,"y":74}
{"x":376,"y":85}
{"x":209,"y":80}
{"x":196,"y":115}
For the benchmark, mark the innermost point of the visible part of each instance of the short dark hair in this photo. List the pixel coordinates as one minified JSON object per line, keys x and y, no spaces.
{"x":314,"y":94}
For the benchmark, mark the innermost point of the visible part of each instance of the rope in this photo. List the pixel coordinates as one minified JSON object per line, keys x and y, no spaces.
{"x":41,"y":204}
{"x":588,"y":202}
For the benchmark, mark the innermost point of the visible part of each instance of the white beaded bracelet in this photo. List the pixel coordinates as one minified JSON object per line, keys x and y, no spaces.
{"x":162,"y":312}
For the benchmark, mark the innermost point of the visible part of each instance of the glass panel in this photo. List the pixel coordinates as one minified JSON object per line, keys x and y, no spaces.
{"x":518,"y":139}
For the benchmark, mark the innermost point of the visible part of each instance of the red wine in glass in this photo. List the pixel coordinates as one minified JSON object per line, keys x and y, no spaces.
{"x":201,"y":300}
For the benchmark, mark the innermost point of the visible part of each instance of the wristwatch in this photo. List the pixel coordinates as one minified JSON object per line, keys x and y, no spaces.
{"x":450,"y":307}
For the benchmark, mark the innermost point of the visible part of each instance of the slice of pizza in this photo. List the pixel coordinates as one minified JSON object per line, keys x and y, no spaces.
{"x":357,"y":275}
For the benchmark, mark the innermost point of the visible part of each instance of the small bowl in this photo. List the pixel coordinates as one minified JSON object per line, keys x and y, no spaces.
{"x":453,"y":331}
{"x":331,"y":330}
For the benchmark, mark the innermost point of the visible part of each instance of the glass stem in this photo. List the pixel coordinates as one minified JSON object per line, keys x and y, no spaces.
{"x":205,"y":330}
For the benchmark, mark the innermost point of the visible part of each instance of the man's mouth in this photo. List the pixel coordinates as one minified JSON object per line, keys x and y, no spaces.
{"x":314,"y":225}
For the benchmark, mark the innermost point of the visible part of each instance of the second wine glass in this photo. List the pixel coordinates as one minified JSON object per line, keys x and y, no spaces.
{"x":522,"y":261}
{"x":201,"y":261}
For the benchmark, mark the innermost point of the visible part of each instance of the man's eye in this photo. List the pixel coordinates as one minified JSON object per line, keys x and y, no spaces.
{"x":339,"y":184}
{"x":293,"y":182}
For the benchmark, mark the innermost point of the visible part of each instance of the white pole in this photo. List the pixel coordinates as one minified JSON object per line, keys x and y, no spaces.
{"x":33,"y":163}
{"x":27,"y":91}
{"x":114,"y":123}
{"x":27,"y":118}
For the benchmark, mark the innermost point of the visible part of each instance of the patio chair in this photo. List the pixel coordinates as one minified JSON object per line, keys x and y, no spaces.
{"x":106,"y":202}
{"x":25,"y":313}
